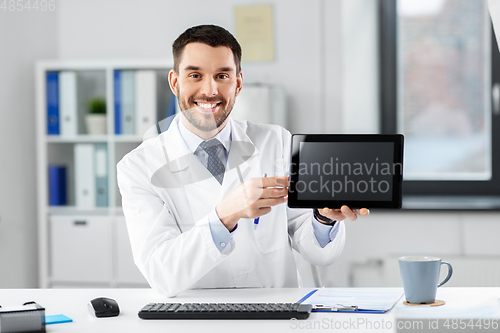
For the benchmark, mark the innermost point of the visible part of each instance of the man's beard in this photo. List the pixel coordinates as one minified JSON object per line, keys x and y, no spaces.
{"x":205,"y":121}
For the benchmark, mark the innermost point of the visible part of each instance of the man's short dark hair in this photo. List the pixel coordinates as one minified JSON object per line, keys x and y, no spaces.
{"x":211,"y":35}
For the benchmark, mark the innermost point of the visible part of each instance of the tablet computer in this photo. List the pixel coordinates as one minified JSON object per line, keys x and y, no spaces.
{"x":360,"y":171}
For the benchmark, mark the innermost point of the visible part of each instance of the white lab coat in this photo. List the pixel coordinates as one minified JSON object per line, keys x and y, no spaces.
{"x":167,"y":196}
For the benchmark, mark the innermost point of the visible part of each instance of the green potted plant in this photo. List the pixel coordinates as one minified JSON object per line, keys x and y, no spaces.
{"x":96,"y":117}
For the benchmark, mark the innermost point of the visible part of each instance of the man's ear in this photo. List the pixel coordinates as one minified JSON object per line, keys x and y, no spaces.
{"x":239,"y":83}
{"x":172,"y":81}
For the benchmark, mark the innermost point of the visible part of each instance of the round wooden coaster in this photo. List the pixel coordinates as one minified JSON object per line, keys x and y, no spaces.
{"x":436,"y":303}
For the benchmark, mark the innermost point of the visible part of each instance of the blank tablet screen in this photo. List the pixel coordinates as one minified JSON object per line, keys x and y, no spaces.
{"x":354,"y":170}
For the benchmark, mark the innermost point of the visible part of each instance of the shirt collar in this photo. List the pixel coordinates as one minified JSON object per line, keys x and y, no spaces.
{"x":193,"y":141}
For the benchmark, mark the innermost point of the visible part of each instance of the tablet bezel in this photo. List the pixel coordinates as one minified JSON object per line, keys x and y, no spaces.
{"x":297,"y":139}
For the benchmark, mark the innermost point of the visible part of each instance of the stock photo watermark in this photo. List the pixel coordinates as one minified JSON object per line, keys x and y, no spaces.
{"x":354,"y":324}
{"x":337,"y":177}
{"x":400,"y":325}
{"x":27,"y":5}
{"x":447,"y":325}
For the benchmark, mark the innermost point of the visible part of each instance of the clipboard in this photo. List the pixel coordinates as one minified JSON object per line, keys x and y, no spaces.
{"x":358,"y":300}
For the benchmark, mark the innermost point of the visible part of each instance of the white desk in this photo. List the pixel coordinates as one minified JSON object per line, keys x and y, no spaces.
{"x":73,"y":303}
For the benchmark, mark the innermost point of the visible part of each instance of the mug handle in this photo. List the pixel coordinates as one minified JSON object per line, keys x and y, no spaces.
{"x":450,"y":271}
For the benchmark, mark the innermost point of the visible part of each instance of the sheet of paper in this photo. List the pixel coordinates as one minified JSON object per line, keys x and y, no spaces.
{"x":254,"y":32}
{"x":364,"y":298}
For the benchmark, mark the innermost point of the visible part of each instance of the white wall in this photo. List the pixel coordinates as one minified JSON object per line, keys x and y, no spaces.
{"x":390,"y":235}
{"x":24,"y":38}
{"x":360,"y":63}
{"x":306,"y":54}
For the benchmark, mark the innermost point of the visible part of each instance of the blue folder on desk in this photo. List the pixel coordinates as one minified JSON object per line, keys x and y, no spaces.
{"x":360,"y":300}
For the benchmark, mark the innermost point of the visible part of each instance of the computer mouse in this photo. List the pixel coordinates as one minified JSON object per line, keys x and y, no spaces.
{"x":104,"y":307}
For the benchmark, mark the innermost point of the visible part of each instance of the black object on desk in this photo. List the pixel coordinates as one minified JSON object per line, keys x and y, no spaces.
{"x":357,"y":170}
{"x":225,"y":311}
{"x":103,"y":307}
{"x":30,"y":317}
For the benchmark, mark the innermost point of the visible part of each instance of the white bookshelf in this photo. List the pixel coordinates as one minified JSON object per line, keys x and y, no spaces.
{"x":75,"y":243}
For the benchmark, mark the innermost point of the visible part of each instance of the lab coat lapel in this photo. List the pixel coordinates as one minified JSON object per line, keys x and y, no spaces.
{"x":202,"y":190}
{"x":184,"y":163}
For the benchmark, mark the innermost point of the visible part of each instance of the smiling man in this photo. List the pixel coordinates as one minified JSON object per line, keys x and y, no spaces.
{"x":199,"y":212}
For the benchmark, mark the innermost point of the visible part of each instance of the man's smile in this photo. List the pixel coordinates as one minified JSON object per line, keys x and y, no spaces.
{"x":207,"y":107}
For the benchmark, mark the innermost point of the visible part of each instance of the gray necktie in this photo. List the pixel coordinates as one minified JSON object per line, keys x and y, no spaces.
{"x":214,"y":165}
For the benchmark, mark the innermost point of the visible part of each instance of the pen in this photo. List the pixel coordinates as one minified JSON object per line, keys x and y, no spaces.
{"x":320,"y":307}
{"x":256,"y":221}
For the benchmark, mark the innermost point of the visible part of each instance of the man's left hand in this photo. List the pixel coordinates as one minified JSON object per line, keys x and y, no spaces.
{"x":344,"y":213}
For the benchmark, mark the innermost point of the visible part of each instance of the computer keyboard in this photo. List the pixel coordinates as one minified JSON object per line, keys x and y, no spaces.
{"x":225,"y":311}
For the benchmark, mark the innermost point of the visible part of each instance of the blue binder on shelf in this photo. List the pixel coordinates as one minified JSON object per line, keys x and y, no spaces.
{"x":57,"y":185}
{"x":117,"y":95}
{"x":52,"y":103}
{"x":101,"y":175}
{"x":359,"y":300}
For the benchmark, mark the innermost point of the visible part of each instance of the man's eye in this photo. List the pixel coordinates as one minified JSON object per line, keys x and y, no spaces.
{"x":195,"y":76}
{"x":222,"y":76}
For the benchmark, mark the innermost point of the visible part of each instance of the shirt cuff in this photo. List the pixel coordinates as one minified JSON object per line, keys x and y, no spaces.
{"x":220,"y":234}
{"x":324,"y":233}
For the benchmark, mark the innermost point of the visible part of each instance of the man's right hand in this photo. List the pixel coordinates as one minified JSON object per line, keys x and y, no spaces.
{"x":252,"y":199}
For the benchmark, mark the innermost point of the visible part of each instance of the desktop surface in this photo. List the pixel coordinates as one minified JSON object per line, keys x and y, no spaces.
{"x":73,"y":303}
